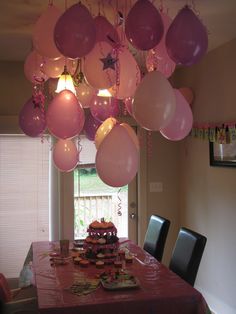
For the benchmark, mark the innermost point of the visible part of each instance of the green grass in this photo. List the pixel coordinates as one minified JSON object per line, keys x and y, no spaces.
{"x":91,"y":183}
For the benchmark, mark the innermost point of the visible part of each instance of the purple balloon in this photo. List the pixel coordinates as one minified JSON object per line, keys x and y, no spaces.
{"x":105,"y":31}
{"x":102,"y":108}
{"x":90,"y":127}
{"x":75,"y":32}
{"x":32,"y":119}
{"x":143,"y":26}
{"x":186,"y":38}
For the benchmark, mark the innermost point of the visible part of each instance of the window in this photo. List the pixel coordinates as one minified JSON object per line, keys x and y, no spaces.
{"x":24,"y":198}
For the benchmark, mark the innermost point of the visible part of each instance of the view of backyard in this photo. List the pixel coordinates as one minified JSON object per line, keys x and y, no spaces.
{"x":94,"y":200}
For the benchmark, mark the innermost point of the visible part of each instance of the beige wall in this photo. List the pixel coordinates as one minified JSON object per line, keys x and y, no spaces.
{"x":208,"y":198}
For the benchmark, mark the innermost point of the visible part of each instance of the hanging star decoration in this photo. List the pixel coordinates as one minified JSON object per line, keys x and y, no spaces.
{"x":109,"y":62}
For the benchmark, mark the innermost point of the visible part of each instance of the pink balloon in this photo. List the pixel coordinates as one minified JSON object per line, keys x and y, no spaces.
{"x":104,"y":107}
{"x":90,"y":126}
{"x":54,"y":68}
{"x":65,"y":116}
{"x":75,"y":32}
{"x":32,"y":119}
{"x":182,"y":121}
{"x":117,"y":158}
{"x":43,"y":33}
{"x":33,"y":68}
{"x":96,"y":75}
{"x":186,"y":39}
{"x":105,"y":31}
{"x":65,"y":155}
{"x":85,"y":94}
{"x":143,"y":25}
{"x":128,"y":73}
{"x":128,"y":104}
{"x":154,"y":102}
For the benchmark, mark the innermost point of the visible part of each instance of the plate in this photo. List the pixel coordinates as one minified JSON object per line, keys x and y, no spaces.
{"x":119,"y":280}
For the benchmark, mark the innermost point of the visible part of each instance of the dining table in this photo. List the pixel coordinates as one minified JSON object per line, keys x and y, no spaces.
{"x":159,"y":290}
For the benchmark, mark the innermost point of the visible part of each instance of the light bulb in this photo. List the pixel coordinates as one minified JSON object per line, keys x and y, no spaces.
{"x":104,"y":93}
{"x":65,"y":82}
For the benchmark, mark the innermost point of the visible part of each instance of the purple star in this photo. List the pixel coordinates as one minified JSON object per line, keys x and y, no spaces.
{"x":109,"y":62}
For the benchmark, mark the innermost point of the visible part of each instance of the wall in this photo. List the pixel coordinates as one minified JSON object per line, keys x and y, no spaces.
{"x":208,"y":195}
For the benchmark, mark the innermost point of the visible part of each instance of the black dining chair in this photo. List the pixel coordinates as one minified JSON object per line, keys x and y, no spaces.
{"x":187,"y":254}
{"x":155,"y":237}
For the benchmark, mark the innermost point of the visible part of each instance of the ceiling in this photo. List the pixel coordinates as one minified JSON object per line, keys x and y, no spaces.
{"x":17,"y":18}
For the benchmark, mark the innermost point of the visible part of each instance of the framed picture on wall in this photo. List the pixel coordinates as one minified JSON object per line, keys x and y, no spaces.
{"x":222,"y":155}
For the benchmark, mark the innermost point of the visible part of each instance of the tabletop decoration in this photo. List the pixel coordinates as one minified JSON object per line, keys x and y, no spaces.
{"x":119,"y":279}
{"x":84,"y":286}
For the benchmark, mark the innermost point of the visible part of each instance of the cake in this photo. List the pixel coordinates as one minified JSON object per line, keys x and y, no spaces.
{"x":102,"y":241}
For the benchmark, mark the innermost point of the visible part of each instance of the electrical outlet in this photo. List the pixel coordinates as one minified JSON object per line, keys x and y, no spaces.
{"x":156,"y":187}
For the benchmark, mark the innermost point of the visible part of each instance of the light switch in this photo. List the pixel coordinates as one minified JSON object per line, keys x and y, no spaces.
{"x":156,"y":187}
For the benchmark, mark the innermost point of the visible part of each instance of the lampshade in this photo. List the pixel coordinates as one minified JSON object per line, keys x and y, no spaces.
{"x":104,"y":93}
{"x":65,"y":82}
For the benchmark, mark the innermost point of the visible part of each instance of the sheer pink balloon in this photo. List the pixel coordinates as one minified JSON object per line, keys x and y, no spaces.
{"x":186,"y":39}
{"x":182,"y":121}
{"x":154,"y":102}
{"x":105,"y":31}
{"x":104,"y":107}
{"x":188,"y":94}
{"x":117,"y":159}
{"x":158,"y":60}
{"x":33,"y":68}
{"x":65,"y":155}
{"x":128,"y":104}
{"x":95,"y":73}
{"x":43,"y":33}
{"x":143,"y":25}
{"x":65,"y":116}
{"x":128,"y":73}
{"x":85,"y":94}
{"x":75,"y":32}
{"x":54,"y":68}
{"x":32,"y":119}
{"x":90,"y":126}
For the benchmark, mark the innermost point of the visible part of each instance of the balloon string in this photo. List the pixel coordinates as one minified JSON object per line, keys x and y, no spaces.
{"x":79,"y":148}
{"x":119,"y":212}
{"x":149,"y":144}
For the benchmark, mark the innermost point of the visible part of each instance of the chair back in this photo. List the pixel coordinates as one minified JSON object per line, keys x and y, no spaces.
{"x":155,"y":237}
{"x":187,"y":254}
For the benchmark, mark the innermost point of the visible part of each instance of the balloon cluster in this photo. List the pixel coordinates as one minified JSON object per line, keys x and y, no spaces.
{"x":103,"y":51}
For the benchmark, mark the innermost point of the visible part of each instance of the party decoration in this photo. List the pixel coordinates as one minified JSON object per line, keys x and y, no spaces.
{"x":182,"y":121}
{"x":186,"y":39}
{"x":102,"y":108}
{"x":104,"y":130}
{"x":154,"y":102}
{"x":108,"y":62}
{"x":188,"y":94}
{"x":65,"y":155}
{"x":143,"y":25}
{"x":129,"y":75}
{"x":32,"y":119}
{"x":95,"y":74}
{"x":117,"y":159}
{"x":54,"y":68}
{"x":75,"y":32}
{"x":85,"y":94}
{"x":65,"y":116}
{"x":105,"y":31}
{"x":43,"y":33}
{"x":132,"y":134}
{"x":33,"y":68}
{"x":90,"y":126}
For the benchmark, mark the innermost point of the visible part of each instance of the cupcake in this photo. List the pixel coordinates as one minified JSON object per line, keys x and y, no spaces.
{"x":99,"y":264}
{"x":100,"y":255}
{"x":84,"y":263}
{"x":118,"y":264}
{"x":77,"y":260}
{"x":129,"y":258}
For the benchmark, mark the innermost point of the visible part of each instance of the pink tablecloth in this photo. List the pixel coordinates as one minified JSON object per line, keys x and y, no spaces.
{"x":161,"y":291}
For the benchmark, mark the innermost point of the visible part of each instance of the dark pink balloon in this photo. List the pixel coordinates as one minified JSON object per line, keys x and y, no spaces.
{"x":90,"y":126}
{"x":75,"y":32}
{"x":105,"y":31}
{"x":65,"y":115}
{"x":32,"y":119}
{"x":186,"y":38}
{"x":104,"y":107}
{"x":143,"y":26}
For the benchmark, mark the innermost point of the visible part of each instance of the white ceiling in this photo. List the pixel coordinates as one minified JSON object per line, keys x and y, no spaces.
{"x":17,"y":18}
